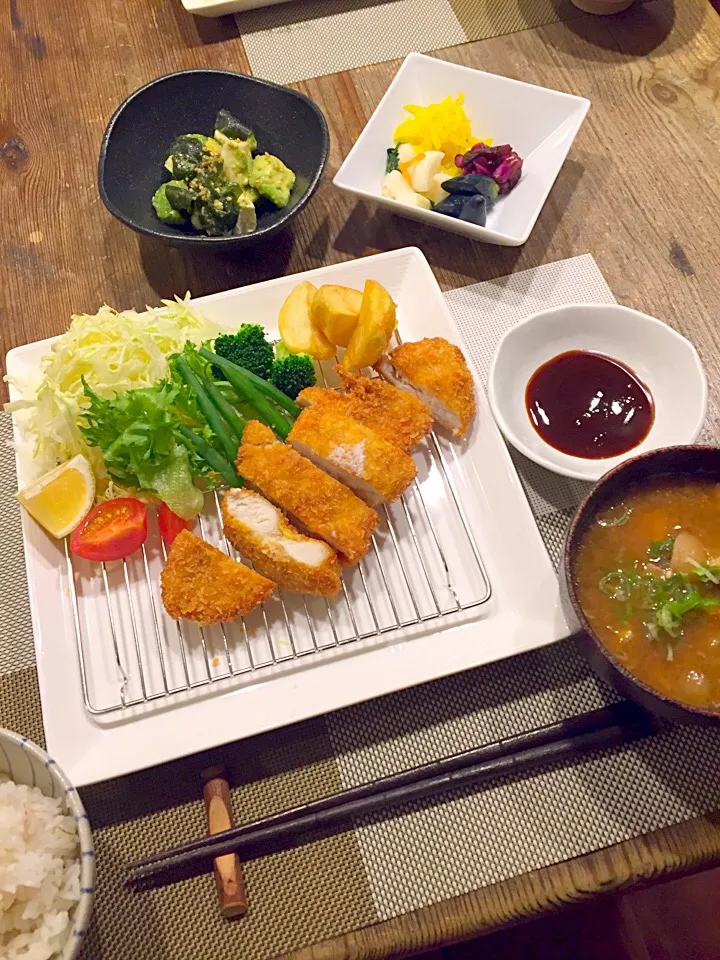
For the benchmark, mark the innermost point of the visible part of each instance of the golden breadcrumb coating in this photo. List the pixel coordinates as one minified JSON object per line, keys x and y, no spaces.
{"x":260,"y":532}
{"x":258,"y":434}
{"x":321,"y":505}
{"x":439,"y":367}
{"x":203,"y":584}
{"x":353,"y":453}
{"x":396,"y":416}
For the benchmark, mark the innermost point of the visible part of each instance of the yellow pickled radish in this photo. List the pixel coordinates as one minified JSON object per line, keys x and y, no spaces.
{"x":440,"y":126}
{"x":60,"y":499}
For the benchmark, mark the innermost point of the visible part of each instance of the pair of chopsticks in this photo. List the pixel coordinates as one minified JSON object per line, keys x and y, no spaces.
{"x":569,"y":739}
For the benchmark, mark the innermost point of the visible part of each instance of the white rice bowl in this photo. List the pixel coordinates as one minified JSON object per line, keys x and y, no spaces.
{"x":39,"y":873}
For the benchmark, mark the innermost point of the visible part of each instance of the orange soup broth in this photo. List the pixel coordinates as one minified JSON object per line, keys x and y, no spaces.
{"x":691,"y":671}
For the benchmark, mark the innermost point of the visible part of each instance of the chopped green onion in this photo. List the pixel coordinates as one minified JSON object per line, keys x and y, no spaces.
{"x":667,"y":599}
{"x":708,"y":573}
{"x":616,"y":516}
{"x":615,"y":586}
{"x":660,"y":551}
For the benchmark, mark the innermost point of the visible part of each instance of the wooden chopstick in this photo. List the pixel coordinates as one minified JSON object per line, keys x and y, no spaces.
{"x":228,"y":869}
{"x":610,"y":726}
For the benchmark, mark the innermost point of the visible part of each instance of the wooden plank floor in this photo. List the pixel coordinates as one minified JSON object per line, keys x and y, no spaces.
{"x":679,"y":920}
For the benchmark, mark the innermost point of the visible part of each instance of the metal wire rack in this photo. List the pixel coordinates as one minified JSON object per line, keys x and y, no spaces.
{"x":424,"y":566}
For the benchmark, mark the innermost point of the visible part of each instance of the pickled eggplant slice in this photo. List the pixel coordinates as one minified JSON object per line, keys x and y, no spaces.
{"x":471,"y":184}
{"x":452,"y":206}
{"x":474,"y":210}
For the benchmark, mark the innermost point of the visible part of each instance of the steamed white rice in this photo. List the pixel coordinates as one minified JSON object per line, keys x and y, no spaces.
{"x":39,"y":873}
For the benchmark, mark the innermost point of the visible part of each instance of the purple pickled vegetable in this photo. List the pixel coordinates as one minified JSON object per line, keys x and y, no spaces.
{"x":507,"y":173}
{"x":501,"y":163}
{"x":481,"y":152}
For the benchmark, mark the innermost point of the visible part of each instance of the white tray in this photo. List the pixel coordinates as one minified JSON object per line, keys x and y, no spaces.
{"x":218,"y":8}
{"x":94,"y":738}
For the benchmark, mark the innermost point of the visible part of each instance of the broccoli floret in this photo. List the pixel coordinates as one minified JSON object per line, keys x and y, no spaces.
{"x":272,"y":179}
{"x":292,"y":372}
{"x":248,"y":348}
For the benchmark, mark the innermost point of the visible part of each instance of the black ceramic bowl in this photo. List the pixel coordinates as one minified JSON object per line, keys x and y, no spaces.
{"x":135,"y":144}
{"x":694,"y":461}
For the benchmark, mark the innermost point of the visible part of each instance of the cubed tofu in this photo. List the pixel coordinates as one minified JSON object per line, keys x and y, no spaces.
{"x":237,"y":161}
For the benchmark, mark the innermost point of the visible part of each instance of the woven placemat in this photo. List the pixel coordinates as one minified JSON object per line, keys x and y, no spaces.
{"x":427,"y":852}
{"x":310,"y":38}
{"x":431,"y":852}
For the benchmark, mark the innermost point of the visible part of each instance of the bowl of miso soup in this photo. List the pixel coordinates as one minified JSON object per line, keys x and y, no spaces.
{"x":642,"y":570}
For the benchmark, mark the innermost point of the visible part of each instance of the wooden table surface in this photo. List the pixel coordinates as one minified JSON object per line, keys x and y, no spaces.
{"x":640,"y":191}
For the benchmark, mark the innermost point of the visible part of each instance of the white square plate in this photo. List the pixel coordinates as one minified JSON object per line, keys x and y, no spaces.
{"x":522,"y":613}
{"x":540,"y":124}
{"x":219,"y":8}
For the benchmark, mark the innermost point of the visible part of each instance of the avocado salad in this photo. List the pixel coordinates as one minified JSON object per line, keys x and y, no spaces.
{"x":219,"y":181}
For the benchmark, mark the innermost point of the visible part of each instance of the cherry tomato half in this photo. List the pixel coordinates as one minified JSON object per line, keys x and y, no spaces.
{"x":111,"y":530}
{"x":170,"y":524}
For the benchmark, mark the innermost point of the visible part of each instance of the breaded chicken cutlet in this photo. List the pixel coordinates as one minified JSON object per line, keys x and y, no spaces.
{"x":354,"y":454}
{"x":201,"y":583}
{"x":259,"y":531}
{"x":434,"y":371}
{"x":321,"y":505}
{"x":396,"y":416}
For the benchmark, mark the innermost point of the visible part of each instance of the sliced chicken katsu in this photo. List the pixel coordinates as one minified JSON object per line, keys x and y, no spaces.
{"x":203,"y":584}
{"x":318,"y":503}
{"x":259,"y":531}
{"x":396,"y":416}
{"x":352,"y":453}
{"x":435,"y":371}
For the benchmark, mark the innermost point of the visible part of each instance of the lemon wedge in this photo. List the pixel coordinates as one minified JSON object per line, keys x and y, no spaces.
{"x":61,"y":498}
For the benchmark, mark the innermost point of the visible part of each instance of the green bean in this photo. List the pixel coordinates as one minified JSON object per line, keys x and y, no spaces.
{"x":249,"y":392}
{"x":236,"y":422}
{"x":209,"y":410}
{"x":271,"y":391}
{"x":219,"y":464}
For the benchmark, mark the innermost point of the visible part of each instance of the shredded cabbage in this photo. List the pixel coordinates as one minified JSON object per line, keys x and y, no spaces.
{"x":114,"y":351}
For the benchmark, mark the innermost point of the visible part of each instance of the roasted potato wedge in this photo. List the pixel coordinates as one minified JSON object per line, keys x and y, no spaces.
{"x":335,"y":311}
{"x":299,"y":333}
{"x":375,"y":326}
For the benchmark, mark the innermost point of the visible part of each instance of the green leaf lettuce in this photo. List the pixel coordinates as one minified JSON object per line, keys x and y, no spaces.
{"x":142,"y":447}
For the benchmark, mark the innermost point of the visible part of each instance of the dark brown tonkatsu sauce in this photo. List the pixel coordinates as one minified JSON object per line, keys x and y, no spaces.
{"x":588,"y":405}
